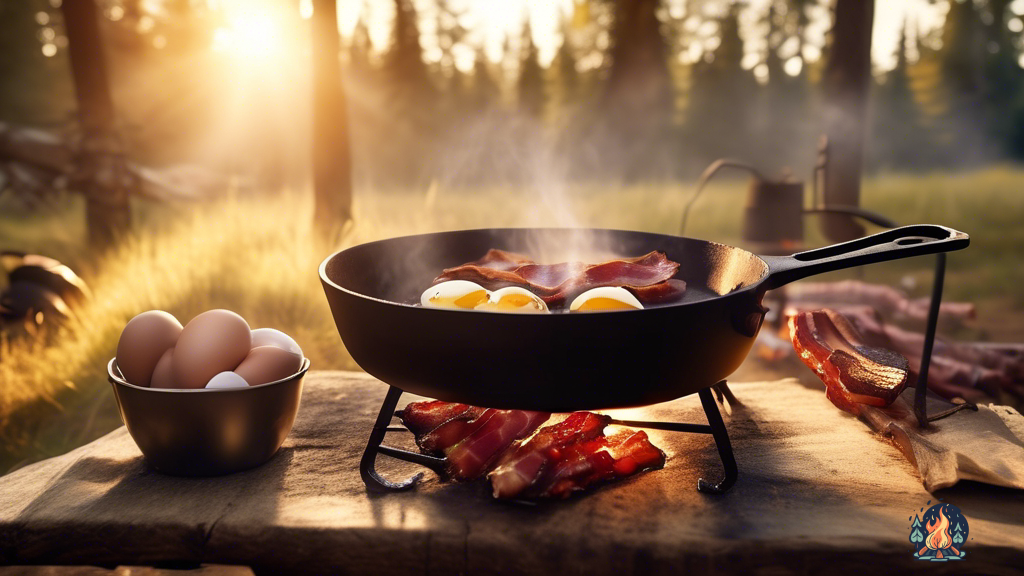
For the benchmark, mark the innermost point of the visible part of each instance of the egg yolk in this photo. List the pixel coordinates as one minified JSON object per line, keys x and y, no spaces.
{"x":514,"y":303}
{"x":466,"y":301}
{"x":601,"y":303}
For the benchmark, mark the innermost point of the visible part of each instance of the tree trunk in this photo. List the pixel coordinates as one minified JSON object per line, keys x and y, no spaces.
{"x":101,"y":171}
{"x":332,"y":159}
{"x":845,"y":86}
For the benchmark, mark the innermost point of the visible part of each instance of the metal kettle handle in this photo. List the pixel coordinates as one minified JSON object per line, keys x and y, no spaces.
{"x":903,"y":242}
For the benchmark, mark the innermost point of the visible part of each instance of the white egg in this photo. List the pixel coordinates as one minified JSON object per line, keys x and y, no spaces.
{"x":275,"y":338}
{"x":514,"y":299}
{"x":605,"y":298}
{"x":227,"y":380}
{"x":459,"y":294}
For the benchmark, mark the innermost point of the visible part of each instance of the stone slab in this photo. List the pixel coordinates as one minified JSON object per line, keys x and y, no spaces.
{"x":204,"y":570}
{"x":817,"y":491}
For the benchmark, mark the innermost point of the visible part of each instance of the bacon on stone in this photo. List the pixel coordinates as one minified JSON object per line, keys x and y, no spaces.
{"x":646,"y":276}
{"x":440,"y":425}
{"x":584,"y":464}
{"x":521,"y":467}
{"x":853,"y":373}
{"x":474,"y":456}
{"x":555,"y":461}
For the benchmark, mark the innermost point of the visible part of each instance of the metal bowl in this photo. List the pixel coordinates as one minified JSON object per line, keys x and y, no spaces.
{"x":208,"y":432}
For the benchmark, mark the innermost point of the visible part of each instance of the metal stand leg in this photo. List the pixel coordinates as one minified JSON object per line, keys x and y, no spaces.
{"x":367,"y":465}
{"x":921,"y":392}
{"x":721,"y":436}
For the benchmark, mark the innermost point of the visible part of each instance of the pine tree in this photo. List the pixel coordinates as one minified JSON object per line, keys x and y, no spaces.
{"x":411,"y":116}
{"x":1004,"y":84}
{"x":924,"y":78}
{"x":960,"y":61}
{"x":898,"y":137}
{"x":530,"y":87}
{"x":483,"y":92}
{"x":958,"y":535}
{"x":406,"y":69}
{"x":34,"y":88}
{"x":359,"y":49}
{"x":721,"y":100}
{"x":563,"y":82}
{"x":916,"y":531}
{"x":636,"y":106}
{"x":785,"y":98}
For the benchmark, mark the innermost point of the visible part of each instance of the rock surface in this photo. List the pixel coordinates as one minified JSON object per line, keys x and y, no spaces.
{"x":817,"y":491}
{"x":204,"y":570}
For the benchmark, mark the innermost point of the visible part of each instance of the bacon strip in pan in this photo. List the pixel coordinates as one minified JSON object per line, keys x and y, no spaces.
{"x":646,"y":276}
{"x":853,"y":373}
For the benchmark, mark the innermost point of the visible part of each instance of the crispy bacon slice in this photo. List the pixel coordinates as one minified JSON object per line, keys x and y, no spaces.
{"x":969,"y":370}
{"x":667,"y":291}
{"x":520,"y":468}
{"x":422,"y":417}
{"x":477,"y":452}
{"x":502,"y":260}
{"x":853,"y":373}
{"x":645,"y":276}
{"x":605,"y":458}
{"x":556,"y":461}
{"x":440,"y":425}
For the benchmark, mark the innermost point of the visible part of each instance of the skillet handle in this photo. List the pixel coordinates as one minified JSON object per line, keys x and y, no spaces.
{"x":892,"y":244}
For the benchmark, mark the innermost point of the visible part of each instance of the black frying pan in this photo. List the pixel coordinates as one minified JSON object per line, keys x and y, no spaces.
{"x":564,"y":362}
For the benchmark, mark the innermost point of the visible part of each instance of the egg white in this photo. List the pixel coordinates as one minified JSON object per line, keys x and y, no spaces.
{"x":616,"y":293}
{"x":447,"y":294}
{"x":534,"y":305}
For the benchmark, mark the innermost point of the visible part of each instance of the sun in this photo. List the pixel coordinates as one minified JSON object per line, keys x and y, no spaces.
{"x":250,"y":34}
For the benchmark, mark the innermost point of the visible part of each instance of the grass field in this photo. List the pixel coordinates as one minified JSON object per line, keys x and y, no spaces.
{"x":257,"y":257}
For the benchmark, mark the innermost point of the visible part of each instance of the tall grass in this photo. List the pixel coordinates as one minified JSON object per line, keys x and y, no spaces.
{"x":255,"y":258}
{"x":259,"y":258}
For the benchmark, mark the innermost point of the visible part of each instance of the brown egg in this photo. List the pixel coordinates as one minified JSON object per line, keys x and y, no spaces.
{"x":143,"y":341}
{"x":213,"y":342}
{"x":163,"y":376}
{"x":268,"y":364}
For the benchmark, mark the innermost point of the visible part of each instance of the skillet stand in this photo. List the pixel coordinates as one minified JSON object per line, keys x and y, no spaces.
{"x":715,"y":426}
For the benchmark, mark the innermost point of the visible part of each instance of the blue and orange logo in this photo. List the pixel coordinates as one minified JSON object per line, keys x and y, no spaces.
{"x":940,"y":534}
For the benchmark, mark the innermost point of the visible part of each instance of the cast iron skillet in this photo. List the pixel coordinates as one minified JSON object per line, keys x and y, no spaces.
{"x":565,"y":362}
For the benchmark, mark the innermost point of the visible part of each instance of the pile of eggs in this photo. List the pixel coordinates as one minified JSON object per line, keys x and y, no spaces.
{"x":217,"y":349}
{"x":466,"y":295}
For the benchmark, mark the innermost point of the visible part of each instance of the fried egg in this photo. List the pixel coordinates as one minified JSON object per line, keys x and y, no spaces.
{"x":466,"y":295}
{"x":605,"y":298}
{"x":458,"y":294}
{"x":514,"y":299}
